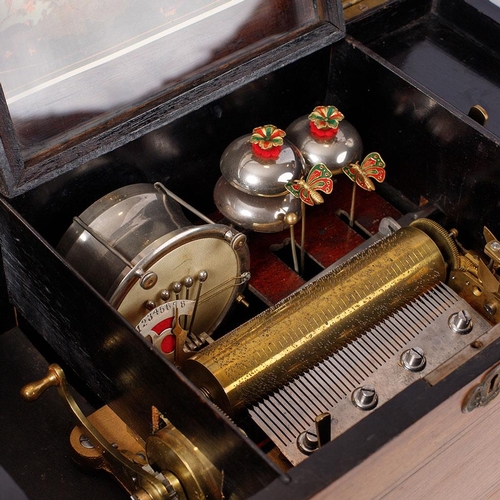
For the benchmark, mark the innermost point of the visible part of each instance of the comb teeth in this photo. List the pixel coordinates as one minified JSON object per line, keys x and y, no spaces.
{"x":287,"y":412}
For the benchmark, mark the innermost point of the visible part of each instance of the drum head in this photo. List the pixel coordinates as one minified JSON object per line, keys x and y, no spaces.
{"x":209,"y":249}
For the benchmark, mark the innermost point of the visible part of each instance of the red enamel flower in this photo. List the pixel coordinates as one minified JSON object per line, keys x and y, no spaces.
{"x":324,"y":121}
{"x":267,"y":141}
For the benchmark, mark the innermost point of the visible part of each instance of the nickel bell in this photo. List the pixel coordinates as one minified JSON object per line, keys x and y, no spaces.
{"x":324,"y":136}
{"x":255,"y":168}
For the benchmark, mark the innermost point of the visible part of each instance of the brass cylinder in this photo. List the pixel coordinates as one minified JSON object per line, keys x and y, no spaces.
{"x":285,"y":340}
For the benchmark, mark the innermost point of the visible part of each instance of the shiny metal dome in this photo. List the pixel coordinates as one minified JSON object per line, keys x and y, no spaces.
{"x":255,"y":213}
{"x":259,"y":176}
{"x":344,"y":148}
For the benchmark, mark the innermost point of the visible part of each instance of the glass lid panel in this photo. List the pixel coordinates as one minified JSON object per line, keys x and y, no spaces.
{"x":68,"y":65}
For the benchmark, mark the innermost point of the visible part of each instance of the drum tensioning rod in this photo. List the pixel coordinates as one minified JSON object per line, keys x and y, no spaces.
{"x":161,"y":188}
{"x":102,"y":241}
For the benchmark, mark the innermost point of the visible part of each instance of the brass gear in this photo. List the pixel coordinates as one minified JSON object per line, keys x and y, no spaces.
{"x":442,"y":239}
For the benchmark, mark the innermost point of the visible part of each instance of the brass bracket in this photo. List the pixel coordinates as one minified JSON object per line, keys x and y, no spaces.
{"x":483,"y":393}
{"x":480,"y":294}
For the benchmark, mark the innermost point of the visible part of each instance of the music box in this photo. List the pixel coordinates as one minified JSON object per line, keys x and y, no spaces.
{"x":262,"y":248}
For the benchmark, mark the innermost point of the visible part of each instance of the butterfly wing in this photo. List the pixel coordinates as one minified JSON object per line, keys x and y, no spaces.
{"x":305,"y":196}
{"x":319,"y":178}
{"x":299,"y":191}
{"x":352,"y":171}
{"x":294,"y":188}
{"x":373,"y":166}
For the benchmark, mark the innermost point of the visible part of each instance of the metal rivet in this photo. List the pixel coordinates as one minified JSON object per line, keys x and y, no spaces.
{"x":460,"y":322}
{"x":495,"y":246}
{"x":149,"y":280}
{"x":238,"y":241}
{"x":413,"y":359}
{"x":365,"y":397}
{"x":150,"y":305}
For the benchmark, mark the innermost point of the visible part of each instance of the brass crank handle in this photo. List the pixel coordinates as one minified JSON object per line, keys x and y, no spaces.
{"x":142,"y":484}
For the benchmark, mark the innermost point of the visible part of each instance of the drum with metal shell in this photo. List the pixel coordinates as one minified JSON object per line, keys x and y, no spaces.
{"x":136,"y":248}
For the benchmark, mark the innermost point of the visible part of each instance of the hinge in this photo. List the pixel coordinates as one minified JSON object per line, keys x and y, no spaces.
{"x":354,"y":8}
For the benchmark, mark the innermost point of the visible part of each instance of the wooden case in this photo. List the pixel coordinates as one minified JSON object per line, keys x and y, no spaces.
{"x":406,"y":75}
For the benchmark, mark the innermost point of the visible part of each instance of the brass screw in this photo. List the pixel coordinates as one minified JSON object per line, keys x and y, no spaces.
{"x":241,"y":300}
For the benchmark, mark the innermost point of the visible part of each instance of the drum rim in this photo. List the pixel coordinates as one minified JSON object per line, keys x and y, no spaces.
{"x":115,"y":197}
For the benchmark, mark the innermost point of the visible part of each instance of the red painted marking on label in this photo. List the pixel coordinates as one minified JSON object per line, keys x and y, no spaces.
{"x":162,"y":326}
{"x":168,"y":344}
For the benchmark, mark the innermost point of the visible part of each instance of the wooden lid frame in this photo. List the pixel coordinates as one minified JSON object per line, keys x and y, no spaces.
{"x":259,"y":47}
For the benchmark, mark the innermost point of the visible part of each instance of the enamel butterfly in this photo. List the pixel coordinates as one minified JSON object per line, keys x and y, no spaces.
{"x":372,"y":166}
{"x":318,"y":179}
